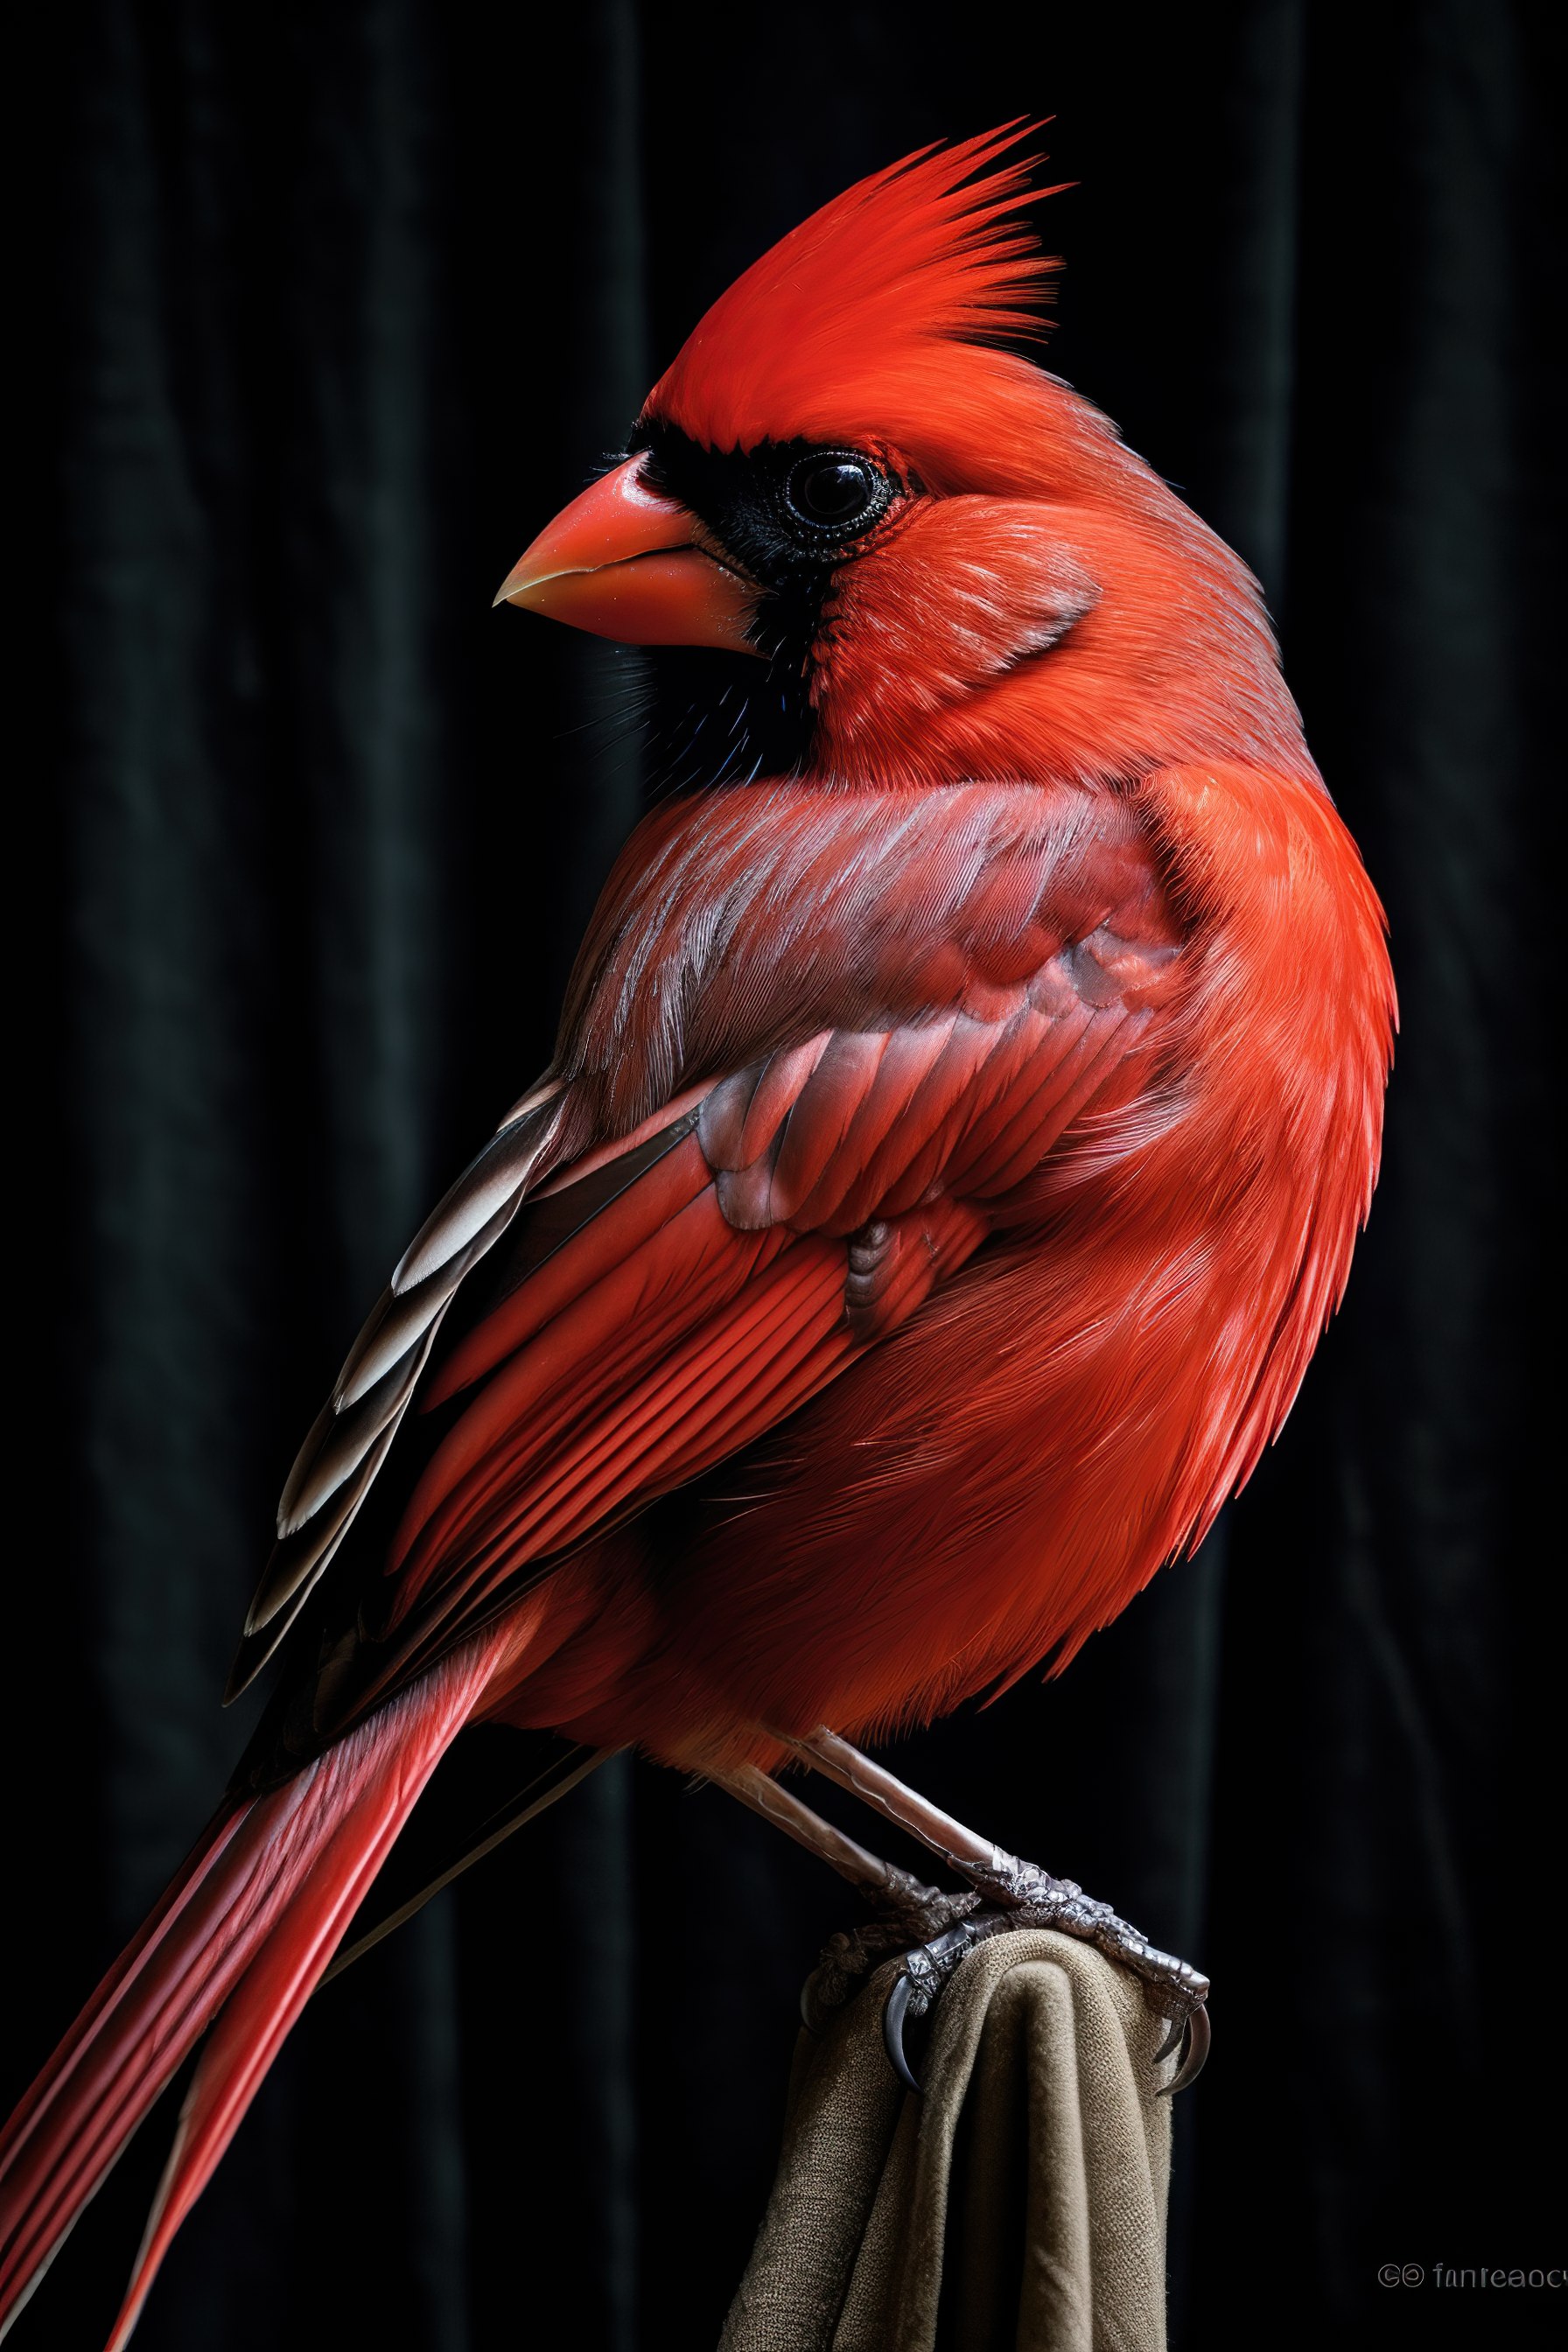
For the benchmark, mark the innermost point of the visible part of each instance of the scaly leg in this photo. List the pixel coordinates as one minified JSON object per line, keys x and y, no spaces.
{"x":1016,"y":1894}
{"x":908,"y":1911}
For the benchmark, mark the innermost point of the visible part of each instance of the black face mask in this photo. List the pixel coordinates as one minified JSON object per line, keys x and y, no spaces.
{"x":788,"y":513}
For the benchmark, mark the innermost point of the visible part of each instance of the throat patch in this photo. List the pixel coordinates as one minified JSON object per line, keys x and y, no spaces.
{"x":786,"y":514}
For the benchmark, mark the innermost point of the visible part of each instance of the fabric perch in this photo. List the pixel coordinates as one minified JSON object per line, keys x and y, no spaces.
{"x":1022,"y":2202}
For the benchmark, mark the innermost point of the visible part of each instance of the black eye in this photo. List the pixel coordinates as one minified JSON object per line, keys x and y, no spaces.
{"x":836,"y":494}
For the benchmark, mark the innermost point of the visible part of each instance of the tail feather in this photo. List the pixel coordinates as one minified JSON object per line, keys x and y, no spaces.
{"x":30,"y":2112}
{"x":237,"y":1944}
{"x":134,"y":2034}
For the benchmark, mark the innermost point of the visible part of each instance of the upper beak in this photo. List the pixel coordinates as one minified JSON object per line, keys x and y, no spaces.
{"x":621,"y":561}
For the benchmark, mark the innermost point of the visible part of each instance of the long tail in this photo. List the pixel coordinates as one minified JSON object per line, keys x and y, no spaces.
{"x":237,"y":1944}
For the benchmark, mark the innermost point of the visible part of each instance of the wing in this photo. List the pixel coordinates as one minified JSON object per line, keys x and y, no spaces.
{"x":670,"y":1294}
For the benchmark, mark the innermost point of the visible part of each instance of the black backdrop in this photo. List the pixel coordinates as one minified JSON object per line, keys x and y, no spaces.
{"x":349,"y":299}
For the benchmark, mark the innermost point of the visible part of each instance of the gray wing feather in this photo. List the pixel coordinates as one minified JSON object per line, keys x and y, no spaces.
{"x":338,"y":1463}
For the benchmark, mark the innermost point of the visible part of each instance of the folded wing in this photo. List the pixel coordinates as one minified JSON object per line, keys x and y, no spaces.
{"x":629,"y":1319}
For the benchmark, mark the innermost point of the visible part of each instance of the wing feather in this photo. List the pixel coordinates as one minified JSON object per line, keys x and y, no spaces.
{"x":341,"y":1458}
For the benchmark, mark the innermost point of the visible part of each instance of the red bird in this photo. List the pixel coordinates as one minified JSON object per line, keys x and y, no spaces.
{"x":964,"y":1106}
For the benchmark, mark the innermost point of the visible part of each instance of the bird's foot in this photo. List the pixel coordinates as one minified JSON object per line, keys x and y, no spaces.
{"x":1023,"y":1896}
{"x":909,"y":1918}
{"x":933,"y":1931}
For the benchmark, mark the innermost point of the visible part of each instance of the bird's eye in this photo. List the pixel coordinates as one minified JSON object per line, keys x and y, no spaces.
{"x":836,"y":494}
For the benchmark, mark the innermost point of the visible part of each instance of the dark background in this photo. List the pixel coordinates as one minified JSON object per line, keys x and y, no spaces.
{"x":349,"y":299}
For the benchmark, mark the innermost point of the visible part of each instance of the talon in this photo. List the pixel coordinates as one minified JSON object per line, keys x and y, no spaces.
{"x":893,"y":2017}
{"x":1199,"y":2035}
{"x":1170,"y":2044}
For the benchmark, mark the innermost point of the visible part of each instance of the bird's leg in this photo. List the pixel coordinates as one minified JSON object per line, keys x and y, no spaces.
{"x":908,"y":1912}
{"x":1015,"y":1894}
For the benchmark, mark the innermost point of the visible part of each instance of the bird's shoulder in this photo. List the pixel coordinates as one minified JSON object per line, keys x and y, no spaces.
{"x":750,"y":921}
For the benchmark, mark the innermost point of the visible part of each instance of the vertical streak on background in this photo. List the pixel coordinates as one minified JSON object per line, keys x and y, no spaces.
{"x":1446,"y":758}
{"x":370,"y":318}
{"x":1244,"y":441}
{"x":603,"y":345}
{"x":156,"y":877}
{"x":1262,"y":195}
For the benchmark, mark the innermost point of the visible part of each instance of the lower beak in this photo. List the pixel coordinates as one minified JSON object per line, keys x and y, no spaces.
{"x":622,"y":562}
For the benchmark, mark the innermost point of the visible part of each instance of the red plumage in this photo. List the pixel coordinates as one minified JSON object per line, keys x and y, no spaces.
{"x":953,"y":1152}
{"x":883,"y":299}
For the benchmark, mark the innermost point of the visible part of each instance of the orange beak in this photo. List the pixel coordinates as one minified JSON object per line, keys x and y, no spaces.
{"x":622,"y":562}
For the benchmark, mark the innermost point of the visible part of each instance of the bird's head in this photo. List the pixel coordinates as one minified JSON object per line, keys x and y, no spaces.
{"x":924,"y":557}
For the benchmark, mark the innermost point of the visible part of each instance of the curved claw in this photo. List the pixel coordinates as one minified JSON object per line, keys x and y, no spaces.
{"x":893,"y":2017}
{"x":1172,"y":2042}
{"x":1198,"y":2034}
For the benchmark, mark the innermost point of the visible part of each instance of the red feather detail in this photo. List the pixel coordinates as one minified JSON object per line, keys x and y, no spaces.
{"x":714,"y":1295}
{"x":242,"y":1936}
{"x":921,"y":254}
{"x":999,"y":1476}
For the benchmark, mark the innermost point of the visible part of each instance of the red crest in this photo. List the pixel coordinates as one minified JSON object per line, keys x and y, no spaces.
{"x":871,"y":292}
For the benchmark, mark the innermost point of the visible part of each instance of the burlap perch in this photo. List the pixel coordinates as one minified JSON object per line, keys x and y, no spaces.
{"x":1023,"y":2199}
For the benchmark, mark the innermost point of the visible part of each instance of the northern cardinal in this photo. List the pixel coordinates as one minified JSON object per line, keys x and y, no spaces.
{"x":964,"y":1106}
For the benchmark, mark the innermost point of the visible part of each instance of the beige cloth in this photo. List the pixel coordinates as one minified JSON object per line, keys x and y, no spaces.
{"x":1023,"y":2198}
